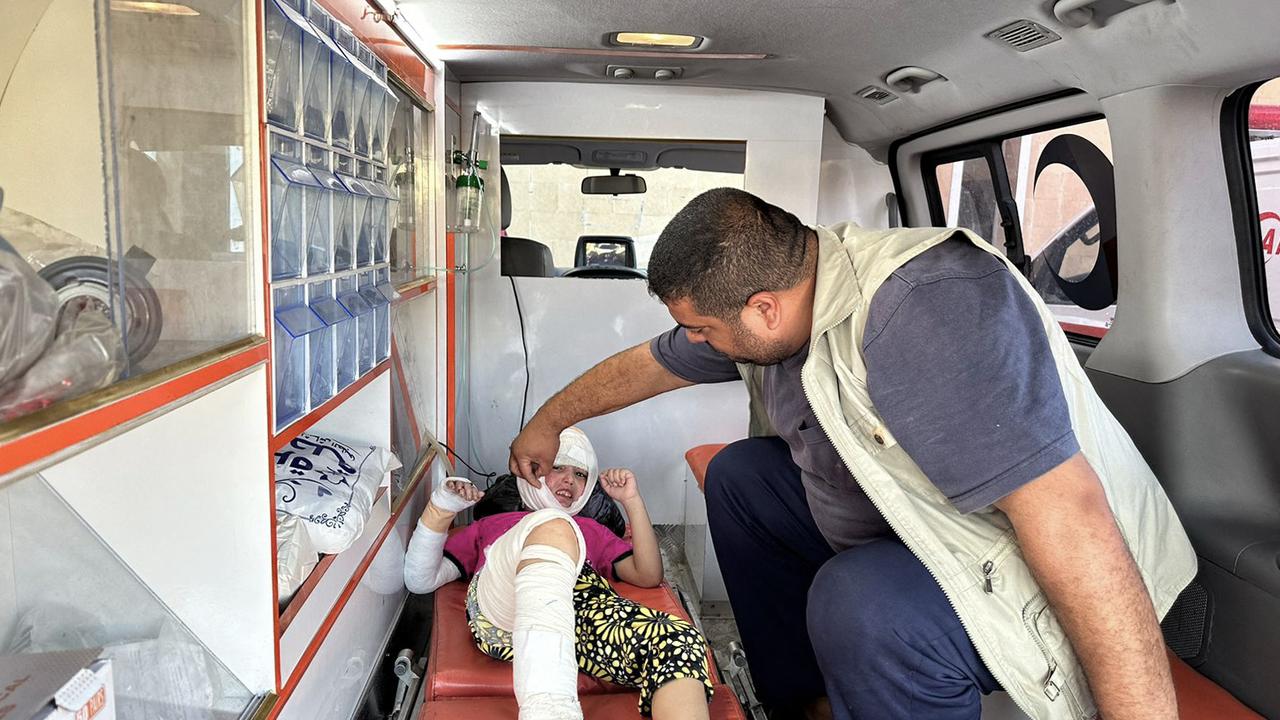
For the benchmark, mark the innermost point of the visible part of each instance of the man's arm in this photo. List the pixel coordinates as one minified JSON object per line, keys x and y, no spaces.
{"x":1073,"y":547}
{"x":622,"y":380}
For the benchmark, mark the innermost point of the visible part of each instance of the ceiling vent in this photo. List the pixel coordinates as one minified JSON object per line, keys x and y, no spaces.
{"x":879,"y":96}
{"x":1024,"y":35}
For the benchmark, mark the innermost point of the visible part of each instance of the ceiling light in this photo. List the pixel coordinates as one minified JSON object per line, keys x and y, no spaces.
{"x":156,"y":8}
{"x":661,"y":40}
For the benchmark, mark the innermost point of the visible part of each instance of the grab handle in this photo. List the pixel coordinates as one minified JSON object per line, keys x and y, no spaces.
{"x":910,"y":78}
{"x":1078,"y":13}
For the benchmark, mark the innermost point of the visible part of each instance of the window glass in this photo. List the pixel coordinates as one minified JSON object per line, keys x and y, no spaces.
{"x":1264,"y":145}
{"x":547,"y":205}
{"x":138,"y":215}
{"x":971,"y":203}
{"x":1062,"y":183}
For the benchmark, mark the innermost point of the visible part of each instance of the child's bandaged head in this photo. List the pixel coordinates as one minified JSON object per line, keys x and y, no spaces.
{"x":575,"y":450}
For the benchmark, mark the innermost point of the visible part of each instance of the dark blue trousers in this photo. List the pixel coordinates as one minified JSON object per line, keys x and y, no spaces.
{"x":867,"y":627}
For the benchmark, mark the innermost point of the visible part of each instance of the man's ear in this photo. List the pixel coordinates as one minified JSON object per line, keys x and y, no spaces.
{"x":763,"y":309}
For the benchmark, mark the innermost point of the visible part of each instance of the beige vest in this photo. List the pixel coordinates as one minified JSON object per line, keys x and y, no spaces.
{"x":1012,"y":627}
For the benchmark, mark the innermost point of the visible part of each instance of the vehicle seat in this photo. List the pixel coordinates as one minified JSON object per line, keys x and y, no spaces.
{"x":522,"y":257}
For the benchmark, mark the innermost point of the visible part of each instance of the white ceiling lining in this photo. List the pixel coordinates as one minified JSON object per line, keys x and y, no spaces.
{"x":835,"y":48}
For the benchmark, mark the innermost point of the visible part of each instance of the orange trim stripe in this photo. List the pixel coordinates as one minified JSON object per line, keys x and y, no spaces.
{"x":42,"y":443}
{"x":301,"y":425}
{"x":416,"y":291}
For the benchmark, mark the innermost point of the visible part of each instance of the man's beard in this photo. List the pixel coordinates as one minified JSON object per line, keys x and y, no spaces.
{"x":756,"y":350}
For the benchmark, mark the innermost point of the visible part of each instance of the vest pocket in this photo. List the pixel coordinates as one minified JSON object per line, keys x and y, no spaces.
{"x":1049,"y":638}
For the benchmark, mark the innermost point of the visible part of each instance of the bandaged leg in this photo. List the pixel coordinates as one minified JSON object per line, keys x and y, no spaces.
{"x":545,"y":667}
{"x":526,"y":587}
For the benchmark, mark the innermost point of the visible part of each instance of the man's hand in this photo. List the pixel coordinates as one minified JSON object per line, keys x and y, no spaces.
{"x":620,"y":484}
{"x":534,"y":451}
{"x":1078,"y":556}
{"x":617,"y":382}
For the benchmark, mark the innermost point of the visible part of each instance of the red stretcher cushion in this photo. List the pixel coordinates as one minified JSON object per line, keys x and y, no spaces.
{"x":594,"y":707}
{"x":1200,"y":698}
{"x":456,"y":669}
{"x":699,"y":458}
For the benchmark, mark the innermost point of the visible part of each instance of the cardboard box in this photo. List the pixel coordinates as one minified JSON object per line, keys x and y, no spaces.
{"x":71,"y":685}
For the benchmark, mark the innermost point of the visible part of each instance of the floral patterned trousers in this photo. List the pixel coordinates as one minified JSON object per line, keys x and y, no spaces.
{"x":617,"y":640}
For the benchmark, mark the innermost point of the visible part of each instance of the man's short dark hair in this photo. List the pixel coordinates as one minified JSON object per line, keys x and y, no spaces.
{"x":725,"y":246}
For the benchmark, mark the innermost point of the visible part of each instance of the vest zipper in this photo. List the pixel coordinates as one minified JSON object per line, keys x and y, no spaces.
{"x":804,"y":386}
{"x":987,"y":567}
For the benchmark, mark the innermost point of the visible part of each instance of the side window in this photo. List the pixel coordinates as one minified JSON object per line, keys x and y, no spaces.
{"x":1048,"y":200}
{"x":1264,"y":146}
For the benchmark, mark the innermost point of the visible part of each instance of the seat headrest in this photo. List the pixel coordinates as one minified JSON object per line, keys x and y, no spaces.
{"x":506,"y":199}
{"x":522,"y":257}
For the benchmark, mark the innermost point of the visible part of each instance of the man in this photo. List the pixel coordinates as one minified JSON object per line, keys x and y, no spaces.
{"x":933,"y":495}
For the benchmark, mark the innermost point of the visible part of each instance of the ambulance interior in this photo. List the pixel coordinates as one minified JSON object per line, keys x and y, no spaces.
{"x":239,"y":236}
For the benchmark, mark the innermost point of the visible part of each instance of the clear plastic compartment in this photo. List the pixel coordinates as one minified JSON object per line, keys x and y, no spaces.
{"x":382,"y":286}
{"x":66,"y":589}
{"x":321,"y":350}
{"x":363,"y":88}
{"x":317,"y":54}
{"x":294,"y":321}
{"x":382,"y":123}
{"x":364,"y":209}
{"x":381,"y":204}
{"x":344,"y":215}
{"x":371,"y":322}
{"x":318,"y":202}
{"x":289,"y":182}
{"x":351,"y":350}
{"x":283,"y":63}
{"x":342,"y":79}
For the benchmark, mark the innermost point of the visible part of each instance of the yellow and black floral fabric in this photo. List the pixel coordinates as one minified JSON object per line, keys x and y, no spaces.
{"x":617,"y":640}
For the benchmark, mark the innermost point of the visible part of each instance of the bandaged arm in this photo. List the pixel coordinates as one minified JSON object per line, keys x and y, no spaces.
{"x":424,"y":565}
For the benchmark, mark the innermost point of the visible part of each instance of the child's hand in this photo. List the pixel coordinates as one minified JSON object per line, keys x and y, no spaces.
{"x":455,"y":495}
{"x":465,"y":490}
{"x":620,"y":484}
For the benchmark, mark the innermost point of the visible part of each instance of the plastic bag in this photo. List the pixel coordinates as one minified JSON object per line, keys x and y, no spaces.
{"x":330,"y":486}
{"x":86,"y":354}
{"x":28,"y":315}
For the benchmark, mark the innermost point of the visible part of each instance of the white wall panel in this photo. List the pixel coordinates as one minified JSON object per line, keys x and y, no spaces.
{"x":574,"y":323}
{"x":185,"y":500}
{"x":852,"y":184}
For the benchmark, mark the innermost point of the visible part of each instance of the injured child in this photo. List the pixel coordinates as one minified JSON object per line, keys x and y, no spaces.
{"x":540,"y":596}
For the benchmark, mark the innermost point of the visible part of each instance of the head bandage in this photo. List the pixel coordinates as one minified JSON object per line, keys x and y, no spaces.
{"x":575,"y":450}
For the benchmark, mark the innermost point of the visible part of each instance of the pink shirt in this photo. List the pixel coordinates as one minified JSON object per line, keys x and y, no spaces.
{"x":466,"y":546}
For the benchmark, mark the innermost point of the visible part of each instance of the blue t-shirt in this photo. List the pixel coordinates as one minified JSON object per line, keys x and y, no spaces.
{"x":959,"y":367}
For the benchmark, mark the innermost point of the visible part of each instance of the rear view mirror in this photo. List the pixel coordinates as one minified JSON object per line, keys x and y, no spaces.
{"x":613,"y":185}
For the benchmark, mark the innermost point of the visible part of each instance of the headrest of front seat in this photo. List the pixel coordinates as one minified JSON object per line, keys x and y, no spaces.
{"x":506,"y":199}
{"x":522,"y":257}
